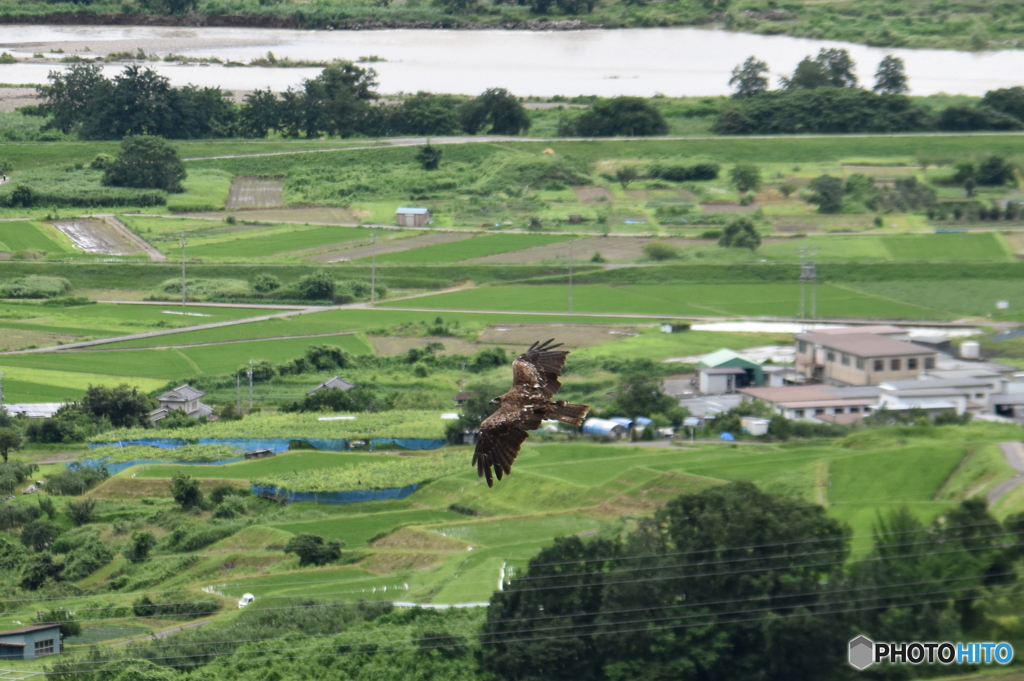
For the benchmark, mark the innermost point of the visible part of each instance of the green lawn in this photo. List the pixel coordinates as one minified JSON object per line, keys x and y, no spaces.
{"x":477,"y":247}
{"x":24,"y":236}
{"x":979,"y":246}
{"x":866,"y":247}
{"x":263,"y":246}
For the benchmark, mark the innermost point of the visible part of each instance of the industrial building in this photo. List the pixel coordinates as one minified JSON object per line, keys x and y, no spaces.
{"x":860,"y":358}
{"x":28,"y":643}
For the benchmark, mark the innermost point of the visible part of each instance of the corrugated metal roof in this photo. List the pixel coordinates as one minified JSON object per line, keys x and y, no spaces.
{"x":25,"y":630}
{"x":412,"y":211}
{"x":722,"y":356}
{"x":34,"y":410}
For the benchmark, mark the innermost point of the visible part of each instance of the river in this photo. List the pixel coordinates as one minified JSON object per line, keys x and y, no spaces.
{"x":644,"y":62}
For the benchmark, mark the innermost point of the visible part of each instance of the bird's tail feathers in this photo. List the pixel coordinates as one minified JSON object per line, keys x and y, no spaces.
{"x":573,"y":414}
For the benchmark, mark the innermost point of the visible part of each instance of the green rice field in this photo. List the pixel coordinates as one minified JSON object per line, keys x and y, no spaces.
{"x":773,"y":299}
{"x":295,"y":239}
{"x":982,"y":246}
{"x":25,"y":236}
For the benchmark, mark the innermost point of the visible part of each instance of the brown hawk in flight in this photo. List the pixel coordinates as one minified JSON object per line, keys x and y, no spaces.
{"x":534,"y":382}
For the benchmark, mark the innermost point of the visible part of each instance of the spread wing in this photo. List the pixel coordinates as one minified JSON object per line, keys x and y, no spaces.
{"x":539,"y":368}
{"x":501,"y":436}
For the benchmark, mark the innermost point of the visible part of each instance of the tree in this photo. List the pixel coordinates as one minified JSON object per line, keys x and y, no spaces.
{"x":640,"y":394}
{"x":186,"y":492}
{"x":995,"y":171}
{"x":476,"y":407}
{"x":38,"y":569}
{"x":146,"y":162}
{"x":498,"y":108}
{"x":9,"y":440}
{"x":750,"y":78}
{"x":427,"y":114}
{"x":142,"y":543}
{"x":740,"y":233}
{"x":312,"y":550}
{"x":625,"y":175}
{"x":317,"y":286}
{"x":71,"y":95}
{"x":80,"y":512}
{"x":124,"y":406}
{"x":827,"y":193}
{"x":891,"y":76}
{"x":831,"y":68}
{"x":629,"y":116}
{"x":66,"y":619}
{"x":745,"y":177}
{"x":429,"y":157}
{"x":38,"y":534}
{"x":260,"y":114}
{"x":970,"y":185}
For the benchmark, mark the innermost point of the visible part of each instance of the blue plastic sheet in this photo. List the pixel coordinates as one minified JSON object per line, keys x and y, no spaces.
{"x":277,"y":445}
{"x":352,"y":497}
{"x":115,"y":468}
{"x":407,"y":442}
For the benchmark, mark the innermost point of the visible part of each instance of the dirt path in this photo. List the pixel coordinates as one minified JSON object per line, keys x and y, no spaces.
{"x":228,"y":342}
{"x":143,"y":245}
{"x":255,"y":306}
{"x":1013,"y":452}
{"x":165,"y":632}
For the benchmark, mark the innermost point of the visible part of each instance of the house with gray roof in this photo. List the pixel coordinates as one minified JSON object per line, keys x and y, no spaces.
{"x":29,"y":643}
{"x":334,"y":383}
{"x":183,"y":398}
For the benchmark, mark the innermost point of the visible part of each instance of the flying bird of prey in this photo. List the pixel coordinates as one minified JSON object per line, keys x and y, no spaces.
{"x":534,"y":382}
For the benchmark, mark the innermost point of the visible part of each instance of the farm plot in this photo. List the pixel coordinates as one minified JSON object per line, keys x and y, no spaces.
{"x":270,"y":245}
{"x":977,"y":246}
{"x":359,"y":530}
{"x":96,"y":236}
{"x":391,"y":245}
{"x":476,"y":247}
{"x":961,"y":297}
{"x":298,"y":462}
{"x":617,"y":249}
{"x":129,"y":365}
{"x":23,"y":384}
{"x":25,"y":236}
{"x":254,"y":192}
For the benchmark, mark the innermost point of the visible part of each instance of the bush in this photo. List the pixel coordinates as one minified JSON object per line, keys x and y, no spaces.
{"x":13,"y":515}
{"x":317,"y":286}
{"x":80,"y":512}
{"x":265,"y":283}
{"x":39,"y":534}
{"x":142,"y":544}
{"x":186,"y":492}
{"x":179,"y":608}
{"x":35,"y":286}
{"x":629,"y":116}
{"x":75,"y":480}
{"x":827,"y":193}
{"x":659,"y":250}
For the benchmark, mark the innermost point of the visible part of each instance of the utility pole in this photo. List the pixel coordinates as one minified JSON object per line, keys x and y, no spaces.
{"x":570,"y":274}
{"x":462,"y":381}
{"x":803,"y":252}
{"x":373,"y":267}
{"x":183,"y":269}
{"x":814,"y":284}
{"x":250,"y":385}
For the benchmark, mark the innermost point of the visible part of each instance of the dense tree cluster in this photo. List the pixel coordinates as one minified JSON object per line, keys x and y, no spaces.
{"x":736,"y":583}
{"x":627,"y":116}
{"x":822,"y":96}
{"x":341,"y":101}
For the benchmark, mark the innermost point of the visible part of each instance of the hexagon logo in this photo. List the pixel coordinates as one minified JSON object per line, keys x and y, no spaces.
{"x":862,"y":652}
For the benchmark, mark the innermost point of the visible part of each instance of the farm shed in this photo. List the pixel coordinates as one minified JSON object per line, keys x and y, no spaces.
{"x":29,"y":643}
{"x":605,"y":428}
{"x":728,"y":359}
{"x":720,"y":381}
{"x":334,"y":383}
{"x":412,"y":217}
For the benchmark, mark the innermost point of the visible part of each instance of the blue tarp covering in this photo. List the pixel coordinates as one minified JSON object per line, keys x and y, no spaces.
{"x":247,"y":445}
{"x":337,"y":497}
{"x":407,"y":442}
{"x":115,"y":468}
{"x":161,"y":442}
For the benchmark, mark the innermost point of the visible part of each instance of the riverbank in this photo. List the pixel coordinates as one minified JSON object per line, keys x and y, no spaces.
{"x":976,"y":26}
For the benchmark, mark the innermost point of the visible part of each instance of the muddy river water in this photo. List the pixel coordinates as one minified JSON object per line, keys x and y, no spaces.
{"x":672,"y":61}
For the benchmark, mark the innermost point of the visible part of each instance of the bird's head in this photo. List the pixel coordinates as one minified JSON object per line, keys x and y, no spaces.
{"x":496,"y":401}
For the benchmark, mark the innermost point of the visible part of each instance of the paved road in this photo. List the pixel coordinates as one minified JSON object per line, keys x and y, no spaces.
{"x":1013,"y":452}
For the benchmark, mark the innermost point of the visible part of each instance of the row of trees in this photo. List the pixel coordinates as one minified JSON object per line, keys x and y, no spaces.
{"x":341,"y":101}
{"x":822,"y":96}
